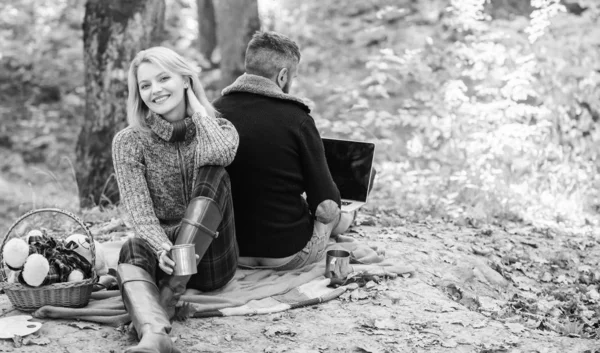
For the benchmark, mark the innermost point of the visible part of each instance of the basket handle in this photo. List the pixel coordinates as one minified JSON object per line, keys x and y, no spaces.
{"x":55,"y":210}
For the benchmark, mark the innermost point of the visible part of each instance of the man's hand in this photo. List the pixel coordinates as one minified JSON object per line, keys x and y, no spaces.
{"x":327,"y":212}
{"x":164,"y":259}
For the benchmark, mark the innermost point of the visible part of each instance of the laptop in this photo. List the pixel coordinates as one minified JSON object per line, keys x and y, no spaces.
{"x":351,"y":166}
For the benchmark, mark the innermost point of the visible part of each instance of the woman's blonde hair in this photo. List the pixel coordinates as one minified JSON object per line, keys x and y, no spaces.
{"x":167,"y":59}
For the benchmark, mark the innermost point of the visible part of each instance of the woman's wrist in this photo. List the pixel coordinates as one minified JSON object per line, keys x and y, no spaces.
{"x":200,"y":115}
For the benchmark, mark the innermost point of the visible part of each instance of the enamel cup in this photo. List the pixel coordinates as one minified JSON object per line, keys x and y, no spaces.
{"x":337,"y":265}
{"x":184,"y":256}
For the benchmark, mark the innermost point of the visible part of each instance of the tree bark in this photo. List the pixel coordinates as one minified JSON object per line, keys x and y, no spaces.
{"x":237,"y":20}
{"x":114,"y":31}
{"x":207,"y":35}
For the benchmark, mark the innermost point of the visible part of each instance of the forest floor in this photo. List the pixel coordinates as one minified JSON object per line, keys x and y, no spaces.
{"x":481,"y":288}
{"x":499,"y":288}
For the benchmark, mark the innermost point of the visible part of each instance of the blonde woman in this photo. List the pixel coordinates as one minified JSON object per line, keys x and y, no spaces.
{"x":169,"y":165}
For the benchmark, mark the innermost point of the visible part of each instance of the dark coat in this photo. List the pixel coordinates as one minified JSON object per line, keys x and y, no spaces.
{"x":280,"y":157}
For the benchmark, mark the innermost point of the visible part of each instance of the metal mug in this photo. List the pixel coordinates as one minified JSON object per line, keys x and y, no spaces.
{"x":337,"y":265}
{"x":184,"y":256}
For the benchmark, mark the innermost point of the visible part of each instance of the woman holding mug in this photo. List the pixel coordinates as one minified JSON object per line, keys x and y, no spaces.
{"x":169,"y":166}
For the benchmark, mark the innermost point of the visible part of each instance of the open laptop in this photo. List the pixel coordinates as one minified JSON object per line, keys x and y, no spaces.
{"x":351,"y":166}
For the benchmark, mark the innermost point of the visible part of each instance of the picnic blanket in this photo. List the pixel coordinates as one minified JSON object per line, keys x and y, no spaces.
{"x":249,"y":292}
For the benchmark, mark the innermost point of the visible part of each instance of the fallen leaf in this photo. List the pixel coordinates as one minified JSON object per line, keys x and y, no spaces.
{"x":458,"y":322}
{"x":453,"y":291}
{"x":450,"y":343}
{"x":359,"y":294}
{"x":83,"y":325}
{"x":485,"y":232}
{"x":448,"y":260}
{"x":490,"y":274}
{"x":593,"y":294}
{"x":391,"y":13}
{"x":385,"y":324}
{"x":490,"y":305}
{"x":555,"y":312}
{"x":546,"y":277}
{"x":515,"y":327}
{"x":364,"y":349}
{"x":472,"y":303}
{"x":588,"y":314}
{"x":278,"y":349}
{"x":584,"y":268}
{"x":525,"y":283}
{"x":214,"y":340}
{"x":530,"y":242}
{"x":523,"y":231}
{"x":466,"y":340}
{"x":385,"y":302}
{"x":186,"y":335}
{"x":278,"y":330}
{"x":544,"y":306}
{"x":479,"y":324}
{"x":561,"y":279}
{"x":72,"y":350}
{"x":40,"y":341}
{"x":345,"y":296}
{"x":512,"y":341}
{"x":483,"y":251}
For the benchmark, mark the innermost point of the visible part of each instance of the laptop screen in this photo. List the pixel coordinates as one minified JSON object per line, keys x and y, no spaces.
{"x":350,"y":164}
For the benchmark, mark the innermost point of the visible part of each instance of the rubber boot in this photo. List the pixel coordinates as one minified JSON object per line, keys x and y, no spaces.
{"x":149,"y":318}
{"x":199,"y":227}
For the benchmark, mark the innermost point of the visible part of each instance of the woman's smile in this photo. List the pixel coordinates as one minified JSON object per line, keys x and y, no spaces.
{"x":162,"y":91}
{"x":161,"y":99}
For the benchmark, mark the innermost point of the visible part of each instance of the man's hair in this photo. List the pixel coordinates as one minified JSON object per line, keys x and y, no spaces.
{"x":269,"y":52}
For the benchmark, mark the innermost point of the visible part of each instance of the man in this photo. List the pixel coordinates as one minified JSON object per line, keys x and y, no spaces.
{"x":280,"y":157}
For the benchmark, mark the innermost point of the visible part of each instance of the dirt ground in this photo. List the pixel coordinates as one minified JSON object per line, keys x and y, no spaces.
{"x":458,"y":301}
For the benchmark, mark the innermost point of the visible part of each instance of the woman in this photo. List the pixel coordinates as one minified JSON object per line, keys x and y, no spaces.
{"x":169,"y":166}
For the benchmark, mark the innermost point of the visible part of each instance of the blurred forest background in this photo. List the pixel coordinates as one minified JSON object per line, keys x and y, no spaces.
{"x":482,"y":111}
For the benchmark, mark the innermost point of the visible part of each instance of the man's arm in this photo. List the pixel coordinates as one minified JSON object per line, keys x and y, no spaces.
{"x":318,"y":183}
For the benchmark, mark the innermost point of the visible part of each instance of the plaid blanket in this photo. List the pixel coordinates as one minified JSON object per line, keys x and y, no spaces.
{"x":249,"y":292}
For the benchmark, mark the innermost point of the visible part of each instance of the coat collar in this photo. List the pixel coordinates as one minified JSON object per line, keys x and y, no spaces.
{"x":164,"y":129}
{"x":261,"y":85}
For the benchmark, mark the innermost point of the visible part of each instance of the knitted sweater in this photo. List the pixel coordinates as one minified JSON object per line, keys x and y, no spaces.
{"x":156,"y":176}
{"x":281,"y":156}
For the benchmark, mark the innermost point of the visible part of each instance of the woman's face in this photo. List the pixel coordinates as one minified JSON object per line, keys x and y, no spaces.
{"x":162,"y":91}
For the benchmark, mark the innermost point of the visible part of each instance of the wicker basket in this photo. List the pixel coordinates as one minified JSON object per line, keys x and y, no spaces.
{"x":64,"y":294}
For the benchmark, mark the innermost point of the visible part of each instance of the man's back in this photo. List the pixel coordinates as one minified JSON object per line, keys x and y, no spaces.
{"x":280,"y":156}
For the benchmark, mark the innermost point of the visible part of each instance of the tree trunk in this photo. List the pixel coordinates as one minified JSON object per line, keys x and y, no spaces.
{"x":237,"y":20}
{"x":207,"y":35}
{"x":113,"y":32}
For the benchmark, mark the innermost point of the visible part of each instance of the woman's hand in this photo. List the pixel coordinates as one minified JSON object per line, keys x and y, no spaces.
{"x":193,"y":104}
{"x":164,"y":259}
